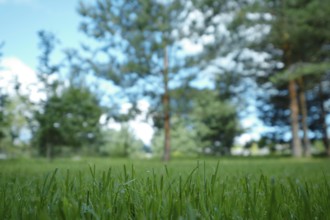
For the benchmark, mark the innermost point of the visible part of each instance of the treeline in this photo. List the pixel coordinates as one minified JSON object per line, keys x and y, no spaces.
{"x":200,"y":64}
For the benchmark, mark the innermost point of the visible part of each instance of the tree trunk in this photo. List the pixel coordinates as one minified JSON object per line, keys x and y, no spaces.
{"x":166,"y":109}
{"x":323,"y":121}
{"x":304,"y":115}
{"x":294,"y":116}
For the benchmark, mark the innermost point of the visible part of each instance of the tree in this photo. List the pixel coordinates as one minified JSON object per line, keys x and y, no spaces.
{"x":13,"y":126}
{"x":120,"y":143}
{"x":69,"y":115}
{"x":216,"y":122}
{"x":185,"y":141}
{"x":140,"y":40}
{"x":294,"y":40}
{"x":300,"y":23}
{"x":4,"y":119}
{"x":47,"y":74}
{"x":69,"y":119}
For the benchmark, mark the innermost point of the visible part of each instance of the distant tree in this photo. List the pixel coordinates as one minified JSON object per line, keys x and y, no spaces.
{"x":18,"y":125}
{"x":69,"y":115}
{"x":12,"y":118}
{"x":140,"y":44}
{"x":216,"y":122}
{"x":4,"y":119}
{"x":203,"y":119}
{"x":122,"y":143}
{"x":185,"y":142}
{"x":69,"y":119}
{"x":12,"y":124}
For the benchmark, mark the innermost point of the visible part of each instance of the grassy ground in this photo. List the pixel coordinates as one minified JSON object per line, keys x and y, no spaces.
{"x":182,"y":189}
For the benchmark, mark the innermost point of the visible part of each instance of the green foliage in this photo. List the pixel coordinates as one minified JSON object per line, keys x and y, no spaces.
{"x":70,"y":119}
{"x":5,"y":116}
{"x":184,"y":140}
{"x":303,"y":26}
{"x":121,"y":143}
{"x":4,"y":122}
{"x":314,"y":70}
{"x":15,"y":128}
{"x":296,"y":43}
{"x":69,"y":116}
{"x":204,"y":121}
{"x":12,"y":122}
{"x":2,"y":102}
{"x":216,"y":122}
{"x":318,"y":147}
{"x":229,"y":189}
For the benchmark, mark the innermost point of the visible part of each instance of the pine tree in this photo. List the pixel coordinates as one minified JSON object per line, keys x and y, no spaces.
{"x":296,"y":41}
{"x":140,"y":42}
{"x":303,"y":39}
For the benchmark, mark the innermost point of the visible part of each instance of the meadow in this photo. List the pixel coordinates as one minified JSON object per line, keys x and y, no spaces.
{"x":94,"y":188}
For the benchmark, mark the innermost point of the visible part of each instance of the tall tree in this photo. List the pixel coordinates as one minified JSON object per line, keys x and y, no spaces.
{"x":68,"y":116}
{"x":295,"y":44}
{"x":323,"y":115}
{"x":140,"y":44}
{"x":48,"y":76}
{"x":304,"y":42}
{"x":304,"y":115}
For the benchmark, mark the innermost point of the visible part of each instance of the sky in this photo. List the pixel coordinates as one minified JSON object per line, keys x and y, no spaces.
{"x":20,"y":21}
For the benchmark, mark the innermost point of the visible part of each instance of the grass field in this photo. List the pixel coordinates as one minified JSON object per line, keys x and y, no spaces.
{"x":182,"y":189}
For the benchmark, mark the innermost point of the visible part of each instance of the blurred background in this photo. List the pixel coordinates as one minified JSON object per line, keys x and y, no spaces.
{"x":162,"y":79}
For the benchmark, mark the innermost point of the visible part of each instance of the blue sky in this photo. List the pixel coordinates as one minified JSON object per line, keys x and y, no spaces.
{"x":20,"y":20}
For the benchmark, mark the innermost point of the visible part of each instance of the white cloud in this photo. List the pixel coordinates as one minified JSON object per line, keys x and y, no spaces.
{"x":141,"y":127}
{"x":142,"y":130}
{"x":14,"y":71}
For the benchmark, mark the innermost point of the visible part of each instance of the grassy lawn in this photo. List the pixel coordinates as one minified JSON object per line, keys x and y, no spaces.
{"x":256,"y":188}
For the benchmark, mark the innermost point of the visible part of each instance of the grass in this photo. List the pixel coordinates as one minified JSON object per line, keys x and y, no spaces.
{"x":182,"y":189}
